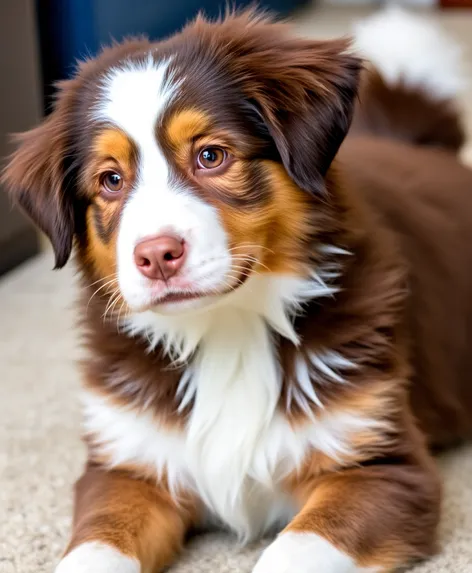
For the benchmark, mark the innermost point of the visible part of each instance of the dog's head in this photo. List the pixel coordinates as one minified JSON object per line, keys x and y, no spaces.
{"x":182,"y":168}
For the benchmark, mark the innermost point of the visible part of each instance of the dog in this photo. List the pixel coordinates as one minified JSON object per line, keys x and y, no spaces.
{"x":278,"y":317}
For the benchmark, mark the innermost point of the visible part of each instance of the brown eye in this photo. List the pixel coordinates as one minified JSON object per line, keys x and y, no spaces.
{"x":112,"y":182}
{"x":211,"y":157}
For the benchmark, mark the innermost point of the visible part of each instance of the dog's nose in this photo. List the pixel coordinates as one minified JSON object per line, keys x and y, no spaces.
{"x":159,"y":257}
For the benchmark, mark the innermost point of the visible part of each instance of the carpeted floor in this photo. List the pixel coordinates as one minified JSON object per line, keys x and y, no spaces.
{"x":40,"y":451}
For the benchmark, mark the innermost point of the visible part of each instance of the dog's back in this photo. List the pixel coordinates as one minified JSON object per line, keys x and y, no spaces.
{"x":402,"y":155}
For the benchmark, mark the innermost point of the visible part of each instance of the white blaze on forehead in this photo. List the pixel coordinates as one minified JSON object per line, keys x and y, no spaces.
{"x":134,"y":95}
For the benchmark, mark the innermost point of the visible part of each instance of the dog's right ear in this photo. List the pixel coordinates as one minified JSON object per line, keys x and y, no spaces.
{"x":38,"y":174}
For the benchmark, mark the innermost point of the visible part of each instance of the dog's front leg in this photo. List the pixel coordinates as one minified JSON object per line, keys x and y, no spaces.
{"x":124,"y":525}
{"x":367,"y":519}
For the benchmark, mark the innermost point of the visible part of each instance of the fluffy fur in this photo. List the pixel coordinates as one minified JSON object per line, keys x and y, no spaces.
{"x":291,"y":374}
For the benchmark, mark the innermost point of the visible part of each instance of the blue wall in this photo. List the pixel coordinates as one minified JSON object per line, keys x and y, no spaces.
{"x":73,"y":29}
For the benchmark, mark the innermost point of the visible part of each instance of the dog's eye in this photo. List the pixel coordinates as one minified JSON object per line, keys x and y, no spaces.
{"x":211,"y":157}
{"x":112,"y":182}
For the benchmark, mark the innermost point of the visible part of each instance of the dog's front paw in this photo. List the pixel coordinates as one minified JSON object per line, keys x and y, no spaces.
{"x":305,"y":553}
{"x":95,"y":557}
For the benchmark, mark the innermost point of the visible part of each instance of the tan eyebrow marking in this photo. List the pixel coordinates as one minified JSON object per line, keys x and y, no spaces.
{"x":185,"y":125}
{"x":116,"y":144}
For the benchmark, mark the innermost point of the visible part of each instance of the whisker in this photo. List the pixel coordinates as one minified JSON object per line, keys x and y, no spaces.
{"x":123,"y":304}
{"x":102,"y":279}
{"x":244,"y":259}
{"x":113,"y":300}
{"x":235,"y":278}
{"x":238,"y":282}
{"x":98,"y":290}
{"x":249,"y":245}
{"x":111,"y":311}
{"x":253,"y":260}
{"x":108,"y":282}
{"x":242,"y":268}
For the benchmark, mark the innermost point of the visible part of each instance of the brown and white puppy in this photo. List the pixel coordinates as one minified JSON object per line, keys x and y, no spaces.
{"x":277,"y":329}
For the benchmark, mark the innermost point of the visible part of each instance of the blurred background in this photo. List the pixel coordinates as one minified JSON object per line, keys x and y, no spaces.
{"x":40,"y":450}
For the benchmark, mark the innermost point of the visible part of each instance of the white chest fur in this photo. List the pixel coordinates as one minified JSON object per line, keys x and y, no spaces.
{"x":239,"y":480}
{"x":237,"y":446}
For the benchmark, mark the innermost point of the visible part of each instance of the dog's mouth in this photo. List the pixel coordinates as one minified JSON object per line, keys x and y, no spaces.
{"x":177,"y":297}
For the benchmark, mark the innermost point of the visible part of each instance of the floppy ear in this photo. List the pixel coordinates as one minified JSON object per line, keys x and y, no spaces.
{"x":37,"y":177}
{"x":305,"y":91}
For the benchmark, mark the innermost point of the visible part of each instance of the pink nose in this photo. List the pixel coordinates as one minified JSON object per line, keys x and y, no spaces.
{"x":160,"y":258}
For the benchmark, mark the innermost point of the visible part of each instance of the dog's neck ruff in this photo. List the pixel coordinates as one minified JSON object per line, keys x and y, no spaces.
{"x":233,"y":435}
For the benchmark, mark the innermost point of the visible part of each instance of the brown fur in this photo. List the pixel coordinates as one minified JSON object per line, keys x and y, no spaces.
{"x":425,"y":194}
{"x":403,"y":314}
{"x":131,"y":515}
{"x":427,"y":122}
{"x":383,"y":516}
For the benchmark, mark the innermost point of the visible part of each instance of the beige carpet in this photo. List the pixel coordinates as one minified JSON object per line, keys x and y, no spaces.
{"x":40,"y":451}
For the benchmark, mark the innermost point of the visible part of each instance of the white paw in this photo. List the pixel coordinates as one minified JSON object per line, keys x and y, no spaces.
{"x":95,"y":557}
{"x":305,"y":553}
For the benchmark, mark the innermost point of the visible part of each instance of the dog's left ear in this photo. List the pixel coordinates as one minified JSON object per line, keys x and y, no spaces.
{"x":305,"y":91}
